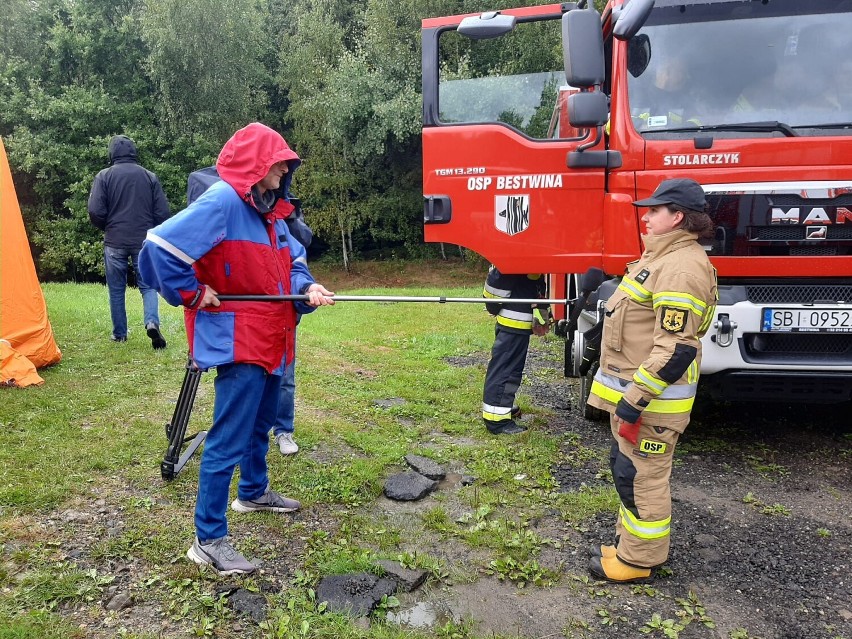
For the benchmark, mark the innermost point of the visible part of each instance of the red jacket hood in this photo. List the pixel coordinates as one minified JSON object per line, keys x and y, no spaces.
{"x":247,"y":157}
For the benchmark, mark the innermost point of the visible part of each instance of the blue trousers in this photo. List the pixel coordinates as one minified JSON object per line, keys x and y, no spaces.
{"x":116,"y":262}
{"x":244,"y":410}
{"x":284,"y":422}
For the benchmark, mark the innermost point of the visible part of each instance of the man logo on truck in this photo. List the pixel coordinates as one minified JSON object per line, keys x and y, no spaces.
{"x":512,"y":213}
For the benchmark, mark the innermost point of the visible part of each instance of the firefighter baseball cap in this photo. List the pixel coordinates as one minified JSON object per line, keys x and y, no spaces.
{"x":680,"y":192}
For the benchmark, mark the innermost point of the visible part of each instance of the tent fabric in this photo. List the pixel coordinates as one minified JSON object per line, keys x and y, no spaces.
{"x":15,"y":369}
{"x":23,"y":312}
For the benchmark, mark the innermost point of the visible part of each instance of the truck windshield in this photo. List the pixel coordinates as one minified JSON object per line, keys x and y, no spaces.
{"x":722,"y":64}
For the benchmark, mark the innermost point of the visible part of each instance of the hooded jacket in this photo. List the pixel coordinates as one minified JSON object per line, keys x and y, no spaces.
{"x":202,"y":179}
{"x":237,"y":243}
{"x":126,"y":199}
{"x":651,"y":348}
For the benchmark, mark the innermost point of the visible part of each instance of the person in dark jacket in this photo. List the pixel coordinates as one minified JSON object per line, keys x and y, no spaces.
{"x":515,"y":324}
{"x":125,"y":201}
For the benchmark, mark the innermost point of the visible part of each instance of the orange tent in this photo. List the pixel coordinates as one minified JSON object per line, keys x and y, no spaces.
{"x":24,"y":326}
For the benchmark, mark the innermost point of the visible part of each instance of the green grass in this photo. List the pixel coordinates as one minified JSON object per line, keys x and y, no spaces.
{"x":95,"y":430}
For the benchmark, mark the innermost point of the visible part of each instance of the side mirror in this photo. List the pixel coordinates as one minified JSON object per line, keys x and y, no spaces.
{"x":592,"y":279}
{"x":582,"y":48}
{"x":631,"y":18}
{"x":588,"y":109}
{"x":638,"y":55}
{"x":490,"y":24}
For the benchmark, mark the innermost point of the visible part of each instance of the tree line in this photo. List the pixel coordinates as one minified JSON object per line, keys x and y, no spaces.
{"x":340,"y":79}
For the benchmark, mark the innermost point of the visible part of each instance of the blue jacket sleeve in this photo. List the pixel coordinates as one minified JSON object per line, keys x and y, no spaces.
{"x":171,"y":249}
{"x":300,"y":276}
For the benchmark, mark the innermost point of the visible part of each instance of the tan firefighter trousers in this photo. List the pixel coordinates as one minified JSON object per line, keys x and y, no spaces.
{"x":641,"y":474}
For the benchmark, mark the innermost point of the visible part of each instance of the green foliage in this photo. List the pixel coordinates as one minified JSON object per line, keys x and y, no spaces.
{"x":340,"y":79}
{"x":206,"y":61}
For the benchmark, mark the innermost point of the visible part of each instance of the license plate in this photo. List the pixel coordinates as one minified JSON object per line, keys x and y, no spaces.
{"x":806,"y":320}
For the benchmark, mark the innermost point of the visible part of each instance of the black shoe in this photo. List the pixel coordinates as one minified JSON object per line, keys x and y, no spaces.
{"x":156,"y":336}
{"x":516,"y":412}
{"x":504,"y":427}
{"x":113,"y":338}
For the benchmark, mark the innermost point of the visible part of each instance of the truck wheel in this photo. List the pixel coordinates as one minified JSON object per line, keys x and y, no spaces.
{"x":590,"y":412}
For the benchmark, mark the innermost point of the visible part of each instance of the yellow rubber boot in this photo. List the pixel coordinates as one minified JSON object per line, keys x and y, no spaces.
{"x":615,"y":570}
{"x":599,"y":550}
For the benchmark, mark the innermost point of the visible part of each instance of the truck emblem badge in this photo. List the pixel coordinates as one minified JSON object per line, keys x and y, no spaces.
{"x":816,"y":232}
{"x":512,"y":213}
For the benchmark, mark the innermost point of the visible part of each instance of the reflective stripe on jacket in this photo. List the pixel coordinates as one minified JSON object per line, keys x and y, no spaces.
{"x":651,"y":349}
{"x":513,"y":317}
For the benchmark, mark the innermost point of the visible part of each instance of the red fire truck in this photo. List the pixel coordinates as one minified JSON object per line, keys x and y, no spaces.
{"x":542,"y":124}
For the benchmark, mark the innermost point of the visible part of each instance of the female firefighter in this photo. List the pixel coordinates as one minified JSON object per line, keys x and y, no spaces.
{"x":650,"y":356}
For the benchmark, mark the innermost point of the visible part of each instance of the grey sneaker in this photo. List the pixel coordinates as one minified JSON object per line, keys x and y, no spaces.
{"x":270,"y":500}
{"x":286,"y":444}
{"x":222,"y":556}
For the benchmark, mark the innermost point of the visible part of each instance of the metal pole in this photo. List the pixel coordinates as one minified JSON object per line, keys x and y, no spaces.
{"x":387,"y":298}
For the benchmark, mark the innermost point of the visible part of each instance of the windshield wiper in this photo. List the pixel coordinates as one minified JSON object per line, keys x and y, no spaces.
{"x":771,"y":125}
{"x":825,"y":125}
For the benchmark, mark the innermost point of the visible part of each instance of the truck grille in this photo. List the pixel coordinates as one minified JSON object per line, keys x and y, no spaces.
{"x":789,"y":347}
{"x":798,"y":294}
{"x":795,"y":232}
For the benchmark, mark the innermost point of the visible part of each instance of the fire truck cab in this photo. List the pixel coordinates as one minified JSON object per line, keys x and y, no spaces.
{"x":541,"y":126}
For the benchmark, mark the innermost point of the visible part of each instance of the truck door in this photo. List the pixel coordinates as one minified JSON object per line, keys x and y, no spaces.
{"x":495,"y":147}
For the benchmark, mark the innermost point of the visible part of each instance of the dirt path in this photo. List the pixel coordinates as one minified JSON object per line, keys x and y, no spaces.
{"x":762,"y":528}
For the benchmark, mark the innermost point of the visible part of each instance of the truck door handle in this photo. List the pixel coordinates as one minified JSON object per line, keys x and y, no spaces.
{"x":437,"y":209}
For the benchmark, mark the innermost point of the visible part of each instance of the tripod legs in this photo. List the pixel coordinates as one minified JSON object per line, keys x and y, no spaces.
{"x":173,"y":461}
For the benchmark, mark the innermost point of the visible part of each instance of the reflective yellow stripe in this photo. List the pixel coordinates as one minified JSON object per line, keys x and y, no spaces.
{"x":705,"y":324}
{"x":657,"y":406}
{"x":645,"y":529}
{"x":654,"y":384}
{"x":692,"y":372}
{"x":635,"y":290}
{"x":680,"y":300}
{"x":511,"y":323}
{"x":496,"y":417}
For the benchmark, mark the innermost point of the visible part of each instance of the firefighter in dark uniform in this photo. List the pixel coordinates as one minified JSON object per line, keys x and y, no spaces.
{"x":650,"y":358}
{"x":515,"y":324}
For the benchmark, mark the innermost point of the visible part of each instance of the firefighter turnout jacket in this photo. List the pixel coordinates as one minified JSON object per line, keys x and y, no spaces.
{"x":650,"y":351}
{"x":650,"y":356}
{"x":516,"y":318}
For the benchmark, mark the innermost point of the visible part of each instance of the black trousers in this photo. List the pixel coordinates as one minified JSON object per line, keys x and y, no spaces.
{"x":505,"y":370}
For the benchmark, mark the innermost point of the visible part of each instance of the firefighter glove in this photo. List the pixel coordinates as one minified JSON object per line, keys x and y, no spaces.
{"x":630,"y":432}
{"x":541,"y":320}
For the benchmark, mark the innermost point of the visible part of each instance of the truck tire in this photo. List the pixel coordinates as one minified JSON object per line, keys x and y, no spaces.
{"x":590,"y":412}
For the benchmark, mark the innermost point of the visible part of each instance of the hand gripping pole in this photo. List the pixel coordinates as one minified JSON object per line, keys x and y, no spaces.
{"x":174,"y":461}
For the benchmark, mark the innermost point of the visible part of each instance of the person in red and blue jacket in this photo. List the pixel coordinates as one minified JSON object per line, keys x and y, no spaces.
{"x":233,"y":240}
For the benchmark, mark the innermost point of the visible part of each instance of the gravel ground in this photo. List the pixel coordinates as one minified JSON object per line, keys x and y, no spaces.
{"x":761,"y":528}
{"x":761,"y":543}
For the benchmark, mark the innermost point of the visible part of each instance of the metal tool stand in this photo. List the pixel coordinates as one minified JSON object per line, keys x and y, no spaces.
{"x":174,"y":461}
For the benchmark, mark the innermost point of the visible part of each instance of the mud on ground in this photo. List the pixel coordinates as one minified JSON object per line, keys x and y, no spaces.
{"x":762,"y":535}
{"x":761,"y":523}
